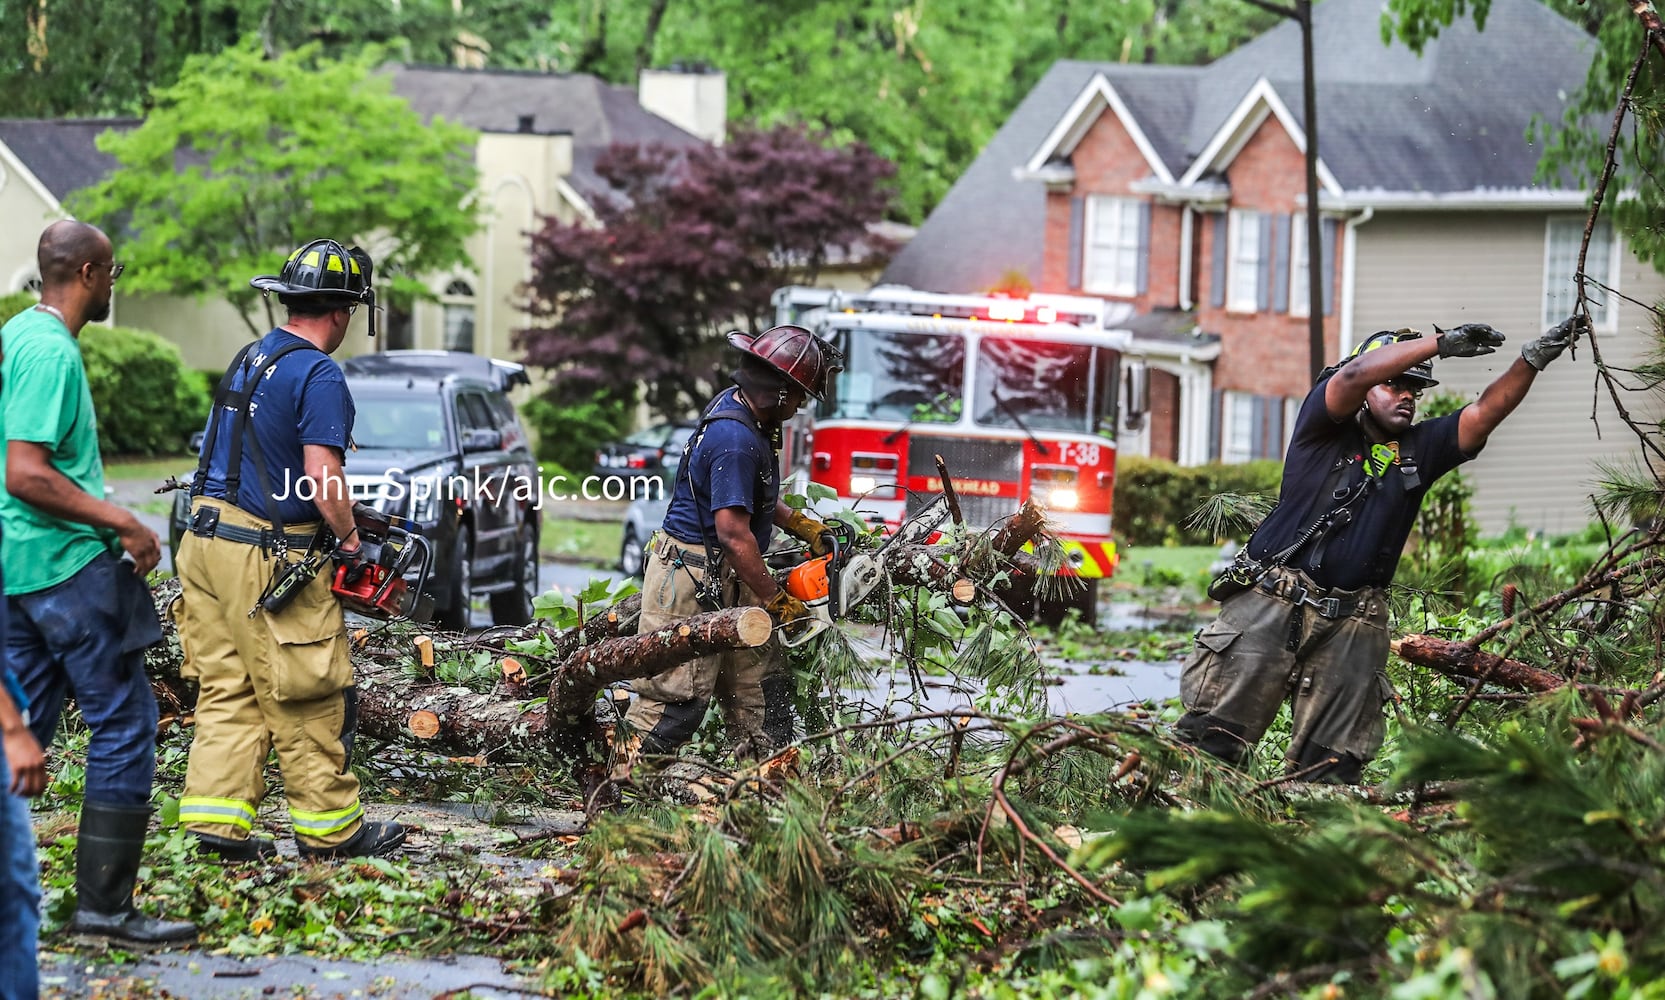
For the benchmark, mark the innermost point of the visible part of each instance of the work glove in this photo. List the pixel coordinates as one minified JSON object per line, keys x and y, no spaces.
{"x":353,"y":560}
{"x":785,"y":608}
{"x":801,"y":525}
{"x":1540,"y":352}
{"x":1468,"y":341}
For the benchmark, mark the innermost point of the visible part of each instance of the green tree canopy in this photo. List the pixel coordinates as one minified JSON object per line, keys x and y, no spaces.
{"x":924,"y":84}
{"x":246,"y":158}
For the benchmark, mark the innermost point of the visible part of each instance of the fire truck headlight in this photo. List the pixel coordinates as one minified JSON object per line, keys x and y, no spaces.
{"x":1063,"y":500}
{"x":862,"y":485}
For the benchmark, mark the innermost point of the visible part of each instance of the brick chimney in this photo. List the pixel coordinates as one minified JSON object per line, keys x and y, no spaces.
{"x":693,"y":97}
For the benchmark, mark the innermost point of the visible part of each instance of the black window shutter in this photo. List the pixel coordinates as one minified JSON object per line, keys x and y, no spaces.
{"x":1078,"y":218}
{"x":1257,"y":427}
{"x":1280,"y":264}
{"x":1272,"y":445}
{"x":1217,"y":290}
{"x":1216,"y":403}
{"x":1144,"y":247}
{"x":1329,"y":267}
{"x":1263,"y":265}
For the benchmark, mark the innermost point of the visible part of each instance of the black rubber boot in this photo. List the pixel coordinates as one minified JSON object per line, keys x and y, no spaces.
{"x":777,"y":710}
{"x":106,"y":866}
{"x":236,"y":851}
{"x":676,"y":726}
{"x":373,"y":839}
{"x":1321,"y":765}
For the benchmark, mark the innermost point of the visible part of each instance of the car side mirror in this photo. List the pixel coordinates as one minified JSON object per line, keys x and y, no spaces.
{"x":479,"y":439}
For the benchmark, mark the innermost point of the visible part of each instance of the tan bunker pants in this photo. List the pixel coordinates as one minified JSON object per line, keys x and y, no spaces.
{"x":279,"y":681}
{"x":670,"y":706}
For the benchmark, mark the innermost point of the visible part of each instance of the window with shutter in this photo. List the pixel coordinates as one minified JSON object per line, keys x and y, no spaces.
{"x":1243,"y":277}
{"x":1237,"y":438}
{"x":1111,"y":265}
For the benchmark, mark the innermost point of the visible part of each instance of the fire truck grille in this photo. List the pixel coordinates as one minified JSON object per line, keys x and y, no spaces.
{"x":980,"y":512}
{"x":981,"y":460}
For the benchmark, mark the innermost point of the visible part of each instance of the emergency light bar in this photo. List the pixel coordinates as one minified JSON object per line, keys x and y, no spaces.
{"x":1076,"y":310}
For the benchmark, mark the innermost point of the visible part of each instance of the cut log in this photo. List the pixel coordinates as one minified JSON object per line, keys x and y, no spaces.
{"x":424,"y":724}
{"x":575,"y":735}
{"x":394,"y":706}
{"x":1465,"y":662}
{"x":425,"y":653}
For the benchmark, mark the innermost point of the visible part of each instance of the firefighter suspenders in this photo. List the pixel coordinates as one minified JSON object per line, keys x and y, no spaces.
{"x":237,"y":401}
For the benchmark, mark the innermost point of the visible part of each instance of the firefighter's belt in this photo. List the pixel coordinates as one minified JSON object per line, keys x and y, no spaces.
{"x":263,"y":537}
{"x":1296,"y":593}
{"x":667,"y":549}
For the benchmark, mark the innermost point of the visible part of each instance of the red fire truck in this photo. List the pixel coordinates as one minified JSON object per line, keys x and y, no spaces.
{"x":1019,"y":396}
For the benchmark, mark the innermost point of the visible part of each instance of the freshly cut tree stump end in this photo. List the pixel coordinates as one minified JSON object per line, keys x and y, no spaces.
{"x":754,"y":626}
{"x":424,"y":724}
{"x":963,"y":591}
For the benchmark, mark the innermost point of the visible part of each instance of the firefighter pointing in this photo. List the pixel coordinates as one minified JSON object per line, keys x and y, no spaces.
{"x":709,"y":555}
{"x":258,"y":624}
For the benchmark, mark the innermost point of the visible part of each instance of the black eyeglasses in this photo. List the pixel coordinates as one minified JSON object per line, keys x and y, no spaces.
{"x":115,"y":268}
{"x":1405,"y":385}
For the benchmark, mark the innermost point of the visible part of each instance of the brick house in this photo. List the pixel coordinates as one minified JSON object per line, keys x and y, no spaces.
{"x":1181,"y":191}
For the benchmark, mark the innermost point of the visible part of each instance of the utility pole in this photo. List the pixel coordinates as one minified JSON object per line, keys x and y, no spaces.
{"x":1301,"y":13}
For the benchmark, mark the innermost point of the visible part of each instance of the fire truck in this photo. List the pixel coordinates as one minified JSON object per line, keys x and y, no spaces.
{"x":1021,"y":397}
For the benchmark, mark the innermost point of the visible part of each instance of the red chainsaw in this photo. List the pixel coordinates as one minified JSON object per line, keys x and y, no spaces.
{"x":390,"y":545}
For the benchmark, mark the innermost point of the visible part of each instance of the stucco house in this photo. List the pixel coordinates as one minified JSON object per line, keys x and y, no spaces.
{"x":540,"y":136}
{"x":1181,"y":190}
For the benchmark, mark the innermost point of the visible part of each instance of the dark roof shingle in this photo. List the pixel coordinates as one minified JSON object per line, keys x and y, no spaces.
{"x":62,"y":152}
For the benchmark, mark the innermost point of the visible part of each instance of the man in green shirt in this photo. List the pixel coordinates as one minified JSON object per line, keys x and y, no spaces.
{"x":75,"y":564}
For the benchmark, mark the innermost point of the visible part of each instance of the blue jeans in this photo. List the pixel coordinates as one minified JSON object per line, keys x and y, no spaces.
{"x":19,"y":896}
{"x":19,"y":885}
{"x":86,"y":637}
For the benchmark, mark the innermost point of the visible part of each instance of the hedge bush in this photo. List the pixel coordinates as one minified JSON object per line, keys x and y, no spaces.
{"x":1154,"y":497}
{"x":148,"y":401}
{"x":568,"y":435}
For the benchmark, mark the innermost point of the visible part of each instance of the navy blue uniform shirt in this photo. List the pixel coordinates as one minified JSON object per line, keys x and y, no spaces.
{"x":731,"y":463}
{"x":303,"y":401}
{"x":1366,"y":551}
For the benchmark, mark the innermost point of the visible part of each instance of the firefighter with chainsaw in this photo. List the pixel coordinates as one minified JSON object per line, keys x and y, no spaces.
{"x":709,"y":554}
{"x":272,"y":527}
{"x":1303,"y":611}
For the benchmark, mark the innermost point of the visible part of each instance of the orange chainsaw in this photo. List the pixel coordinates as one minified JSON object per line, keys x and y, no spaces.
{"x":832,"y":585}
{"x":389,"y":544}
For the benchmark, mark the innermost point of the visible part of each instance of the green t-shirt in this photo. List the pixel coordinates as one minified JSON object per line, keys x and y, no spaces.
{"x":44,"y":399}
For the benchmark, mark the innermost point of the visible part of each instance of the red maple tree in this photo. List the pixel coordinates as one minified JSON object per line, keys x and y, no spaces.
{"x":692,"y":243}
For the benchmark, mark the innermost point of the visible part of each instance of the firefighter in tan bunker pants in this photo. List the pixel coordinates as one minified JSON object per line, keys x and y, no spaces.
{"x":269,"y":494}
{"x":724,"y":507}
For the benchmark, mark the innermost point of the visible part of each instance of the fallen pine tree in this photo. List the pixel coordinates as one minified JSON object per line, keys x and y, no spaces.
{"x":401,"y":698}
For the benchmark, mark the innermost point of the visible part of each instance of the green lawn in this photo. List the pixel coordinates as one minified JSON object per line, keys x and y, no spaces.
{"x":148,"y":468}
{"x":1158,"y":565}
{"x":593,"y":542}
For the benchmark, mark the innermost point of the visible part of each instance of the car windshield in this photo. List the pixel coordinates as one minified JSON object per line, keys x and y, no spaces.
{"x":404,"y":423}
{"x":914,"y":377}
{"x":1033,"y":384}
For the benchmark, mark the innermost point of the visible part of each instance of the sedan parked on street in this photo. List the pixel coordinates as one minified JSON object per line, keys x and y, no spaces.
{"x":645,"y":453}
